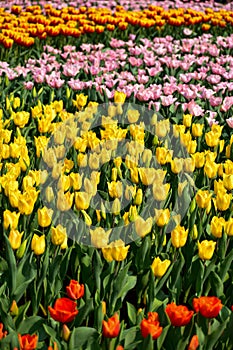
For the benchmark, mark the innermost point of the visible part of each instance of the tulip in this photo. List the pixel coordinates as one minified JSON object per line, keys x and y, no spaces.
{"x":65,"y":333}
{"x":191,"y":147}
{"x":223,"y":200}
{"x":143,"y":227}
{"x":187,"y":120}
{"x":15,"y":238}
{"x":194,"y":343}
{"x":38,"y":244}
{"x":179,"y":236}
{"x":82,"y":160}
{"x":159,"y":267}
{"x":197,"y":129}
{"x":99,"y":237}
{"x":189,"y":165}
{"x":151,"y":326}
{"x":162,"y":128}
{"x":211,"y":139}
{"x":115,"y":189}
{"x":199,"y":159}
{"x":147,"y":175}
{"x":229,"y":227}
{"x":58,"y":234}
{"x":75,"y":290}
{"x":14,"y":310}
{"x":116,"y":207}
{"x":64,"y":200}
{"x":76,"y":181}
{"x":115,"y":251}
{"x":3,"y":334}
{"x":133,"y":115}
{"x":160,"y":191}
{"x":217,"y":225}
{"x":44,"y":216}
{"x":139,"y":197}
{"x":64,"y":310}
{"x":28,"y":341}
{"x":111,"y":328}
{"x":208,"y":307}
{"x":179,"y":315}
{"x":203,"y":198}
{"x":80,"y":101}
{"x":163,"y":155}
{"x":20,"y":118}
{"x":49,"y":194}
{"x":134,"y":175}
{"x":82,"y":200}
{"x":133,"y":213}
{"x":177,"y":165}
{"x":10,"y":219}
{"x":228,"y":181}
{"x":211,"y":169}
{"x":119,"y":97}
{"x":162,"y":217}
{"x":206,"y":249}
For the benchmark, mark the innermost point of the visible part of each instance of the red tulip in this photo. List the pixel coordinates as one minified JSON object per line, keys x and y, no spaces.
{"x":179,"y":315}
{"x":3,"y":334}
{"x":151,"y":326}
{"x":27,"y":341}
{"x":111,"y":328}
{"x":75,"y":290}
{"x":194,"y":343}
{"x":64,"y":310}
{"x":207,"y":306}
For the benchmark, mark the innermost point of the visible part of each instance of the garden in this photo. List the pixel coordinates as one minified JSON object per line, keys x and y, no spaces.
{"x":116,"y":175}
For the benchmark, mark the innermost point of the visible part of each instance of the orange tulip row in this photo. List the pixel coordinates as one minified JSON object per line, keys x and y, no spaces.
{"x":23,"y":26}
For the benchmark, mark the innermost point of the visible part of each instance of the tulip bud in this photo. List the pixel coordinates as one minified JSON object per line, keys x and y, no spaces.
{"x":20,"y":252}
{"x":116,"y":207}
{"x":14,"y":311}
{"x":133,"y":214}
{"x":138,"y":197}
{"x":104,"y":307}
{"x":194,"y":232}
{"x":87,"y":218}
{"x":65,"y":332}
{"x":103,"y":211}
{"x":114,"y":174}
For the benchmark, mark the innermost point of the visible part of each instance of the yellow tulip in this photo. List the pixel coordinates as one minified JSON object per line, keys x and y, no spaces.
{"x":211,"y":139}
{"x":199,"y":159}
{"x":228,"y":182}
{"x":58,"y":234}
{"x":189,"y":165}
{"x":217,"y":225}
{"x":229,"y":227}
{"x":82,"y":160}
{"x":49,"y":194}
{"x":134,"y":175}
{"x":82,"y":200}
{"x":162,"y":217}
{"x":223,"y":200}
{"x":163,"y":155}
{"x":218,"y":186}
{"x":76,"y":180}
{"x":44,"y":216}
{"x":10,"y":219}
{"x":177,"y":165}
{"x":160,"y":267}
{"x":38,"y":244}
{"x":179,"y":236}
{"x":116,"y":207}
{"x":187,"y":120}
{"x":27,"y":200}
{"x":143,"y":227}
{"x":115,"y":189}
{"x":15,"y":238}
{"x":139,"y":197}
{"x":160,"y":191}
{"x":130,"y":192}
{"x":197,"y":129}
{"x":115,"y":251}
{"x":147,"y":156}
{"x":87,"y":218}
{"x":80,"y":101}
{"x":90,"y":186}
{"x":21,"y":118}
{"x":206,"y":249}
{"x":203,"y":198}
{"x":133,"y":115}
{"x":114,"y":174}
{"x":191,"y":147}
{"x":133,"y":213}
{"x":147,"y":175}
{"x":100,"y":237}
{"x":119,"y":97}
{"x":211,"y":169}
{"x":162,"y":128}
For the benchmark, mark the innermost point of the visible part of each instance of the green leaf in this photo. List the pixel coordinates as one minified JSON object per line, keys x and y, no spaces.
{"x":212,"y":339}
{"x":216,"y":284}
{"x":162,"y":337}
{"x":132,"y":313}
{"x":12,"y":271}
{"x":30,"y":325}
{"x":82,"y":336}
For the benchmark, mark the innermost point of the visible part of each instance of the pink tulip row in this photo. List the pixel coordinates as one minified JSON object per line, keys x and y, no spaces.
{"x":128,"y":4}
{"x":195,"y":72}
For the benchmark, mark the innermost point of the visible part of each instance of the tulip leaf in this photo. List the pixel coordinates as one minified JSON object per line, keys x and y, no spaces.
{"x":162,"y":337}
{"x":132,"y":313}
{"x":30,"y":325}
{"x":216,"y":284}
{"x":82,"y":336}
{"x":211,"y":340}
{"x":12,"y":271}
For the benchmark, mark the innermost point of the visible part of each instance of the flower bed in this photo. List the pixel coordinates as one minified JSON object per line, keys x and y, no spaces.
{"x":116,"y":177}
